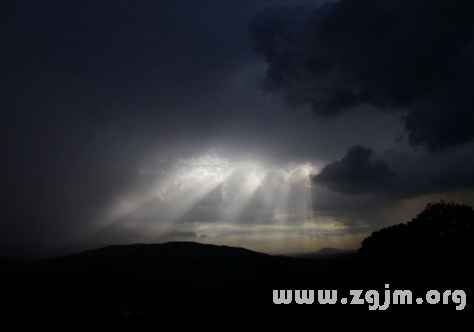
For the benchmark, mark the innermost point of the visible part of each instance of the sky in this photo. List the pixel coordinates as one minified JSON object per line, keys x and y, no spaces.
{"x":280,"y":126}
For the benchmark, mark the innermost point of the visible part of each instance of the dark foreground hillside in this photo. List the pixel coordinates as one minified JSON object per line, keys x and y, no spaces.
{"x":194,"y":284}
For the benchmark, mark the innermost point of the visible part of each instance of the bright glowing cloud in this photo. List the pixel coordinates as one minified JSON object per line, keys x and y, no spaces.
{"x":221,"y":198}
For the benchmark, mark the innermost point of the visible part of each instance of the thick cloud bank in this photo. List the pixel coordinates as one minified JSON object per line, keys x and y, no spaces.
{"x":355,"y":173}
{"x":405,"y":55}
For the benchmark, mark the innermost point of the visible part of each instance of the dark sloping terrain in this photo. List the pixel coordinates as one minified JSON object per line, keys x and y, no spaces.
{"x":11,"y":267}
{"x":324,"y":253}
{"x":190,"y":284}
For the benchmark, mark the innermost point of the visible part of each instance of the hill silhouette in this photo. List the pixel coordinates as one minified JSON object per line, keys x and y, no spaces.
{"x":191,"y":284}
{"x":324,"y":253}
{"x":10,"y":266}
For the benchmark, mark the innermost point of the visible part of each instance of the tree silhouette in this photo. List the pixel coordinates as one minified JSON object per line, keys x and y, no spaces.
{"x":443,"y":229}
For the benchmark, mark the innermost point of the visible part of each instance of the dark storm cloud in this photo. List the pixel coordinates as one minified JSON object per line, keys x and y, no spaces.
{"x":354,"y":191}
{"x":357,"y":172}
{"x":412,"y":56}
{"x":88,"y":90}
{"x":107,"y":108}
{"x":92,"y":92}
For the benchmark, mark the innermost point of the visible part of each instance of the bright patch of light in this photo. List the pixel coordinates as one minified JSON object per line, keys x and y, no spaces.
{"x":210,"y":188}
{"x":206,"y":167}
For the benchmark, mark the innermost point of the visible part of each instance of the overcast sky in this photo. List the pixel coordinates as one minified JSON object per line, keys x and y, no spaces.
{"x":280,"y":126}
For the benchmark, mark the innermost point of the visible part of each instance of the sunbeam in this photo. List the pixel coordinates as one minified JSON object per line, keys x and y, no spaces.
{"x":213,"y":190}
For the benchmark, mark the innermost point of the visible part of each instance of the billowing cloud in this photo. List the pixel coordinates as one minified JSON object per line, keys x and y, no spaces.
{"x":410,"y":56}
{"x":397,"y":174}
{"x":357,"y":172}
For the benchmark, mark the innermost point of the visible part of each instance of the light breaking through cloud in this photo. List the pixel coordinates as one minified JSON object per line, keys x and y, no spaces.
{"x":277,"y":125}
{"x":225,"y":200}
